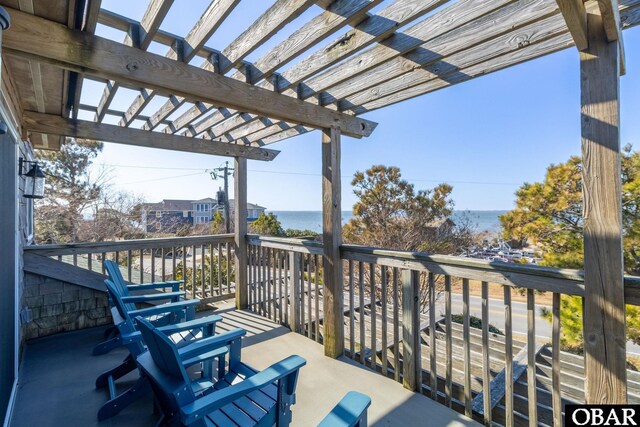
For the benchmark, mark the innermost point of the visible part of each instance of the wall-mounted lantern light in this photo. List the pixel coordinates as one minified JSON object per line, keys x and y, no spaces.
{"x":34,"y":179}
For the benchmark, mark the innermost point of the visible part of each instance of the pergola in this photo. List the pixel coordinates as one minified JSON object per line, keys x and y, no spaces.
{"x":236,"y":108}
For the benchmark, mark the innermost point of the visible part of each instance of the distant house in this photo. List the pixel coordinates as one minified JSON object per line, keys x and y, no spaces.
{"x":169,"y":215}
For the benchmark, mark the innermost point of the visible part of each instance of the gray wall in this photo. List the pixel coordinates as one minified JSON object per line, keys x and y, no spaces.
{"x":8,"y":285}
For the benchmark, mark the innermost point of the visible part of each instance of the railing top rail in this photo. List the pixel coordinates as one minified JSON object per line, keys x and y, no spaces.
{"x":124,"y":245}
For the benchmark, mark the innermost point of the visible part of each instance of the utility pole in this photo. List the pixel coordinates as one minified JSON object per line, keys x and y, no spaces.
{"x":225,"y":171}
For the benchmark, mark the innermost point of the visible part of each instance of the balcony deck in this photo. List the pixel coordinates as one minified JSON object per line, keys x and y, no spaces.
{"x":58,"y":372}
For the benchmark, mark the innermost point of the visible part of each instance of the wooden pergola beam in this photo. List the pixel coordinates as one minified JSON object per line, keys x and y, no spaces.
{"x":46,"y":41}
{"x":575,"y":16}
{"x":610,"y":13}
{"x":144,"y":34}
{"x":50,"y":124}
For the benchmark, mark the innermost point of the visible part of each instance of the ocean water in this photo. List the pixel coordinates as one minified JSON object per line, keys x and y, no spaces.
{"x":312,"y":220}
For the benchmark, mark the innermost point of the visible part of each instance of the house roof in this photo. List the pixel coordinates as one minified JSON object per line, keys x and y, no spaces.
{"x":205,"y":200}
{"x":169,"y":205}
{"x":249,"y":205}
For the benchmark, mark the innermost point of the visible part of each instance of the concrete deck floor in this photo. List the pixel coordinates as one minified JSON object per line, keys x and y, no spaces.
{"x":56,"y":386}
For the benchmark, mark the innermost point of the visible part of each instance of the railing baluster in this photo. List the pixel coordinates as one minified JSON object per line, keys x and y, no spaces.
{"x":309,"y":284}
{"x":211,"y":287}
{"x":372,"y":309}
{"x":268,"y":281}
{"x":531,"y":359}
{"x":449,"y":347}
{"x":486,"y":367}
{"x":228,"y":254}
{"x":129,"y":266}
{"x":303,"y":320}
{"x":184,"y":271}
{"x":352,"y":343}
{"x":396,"y":326}
{"x":294,"y":316}
{"x":173,"y":263}
{"x":280,"y":298}
{"x":163,"y":264}
{"x":361,"y":301}
{"x":249,"y":275}
{"x":89,"y":266}
{"x":466,"y":342}
{"x":411,"y":358}
{"x":219,"y":259}
{"x":141,"y":266}
{"x":75,"y":259}
{"x":432,"y":337}
{"x":194,"y":270}
{"x":317,"y":297}
{"x":508,"y":362}
{"x":286,"y":302}
{"x":383,"y":299}
{"x":104,"y":257}
{"x":259,"y":284}
{"x":555,"y":361}
{"x":153,"y":265}
{"x":203,"y":282}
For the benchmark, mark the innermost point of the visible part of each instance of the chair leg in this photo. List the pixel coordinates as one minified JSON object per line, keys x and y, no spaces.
{"x":127,"y":365}
{"x":117,"y":404}
{"x":108,"y":345}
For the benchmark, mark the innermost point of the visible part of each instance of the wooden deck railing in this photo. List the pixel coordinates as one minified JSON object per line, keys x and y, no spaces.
{"x":399,"y":321}
{"x":205,"y":263}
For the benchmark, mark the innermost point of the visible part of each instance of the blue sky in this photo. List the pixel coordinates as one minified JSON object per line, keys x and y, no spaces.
{"x":485,"y":137}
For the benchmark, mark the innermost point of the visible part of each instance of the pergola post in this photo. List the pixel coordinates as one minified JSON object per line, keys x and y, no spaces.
{"x":332,"y":239}
{"x":604,"y":309}
{"x":240,"y":219}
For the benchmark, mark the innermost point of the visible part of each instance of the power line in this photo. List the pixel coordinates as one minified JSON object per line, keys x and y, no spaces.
{"x":435,"y":181}
{"x":162,"y":179}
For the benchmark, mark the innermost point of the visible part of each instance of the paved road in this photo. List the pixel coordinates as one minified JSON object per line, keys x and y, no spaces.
{"x":519,"y":316}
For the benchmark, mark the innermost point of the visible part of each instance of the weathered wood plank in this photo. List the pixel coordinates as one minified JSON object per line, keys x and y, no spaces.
{"x":500,"y":384}
{"x":339,"y":14}
{"x":508,"y":356}
{"x":604,"y":304}
{"x":433,"y":368}
{"x":486,"y":374}
{"x":270,"y":22}
{"x":240,"y":221}
{"x":56,"y":125}
{"x":332,"y":239}
{"x":531,"y":359}
{"x":374,"y":28}
{"x":575,"y":15}
{"x":555,"y":361}
{"x":149,"y":26}
{"x":411,"y":359}
{"x":466,"y":324}
{"x":184,"y":50}
{"x":77,"y":51}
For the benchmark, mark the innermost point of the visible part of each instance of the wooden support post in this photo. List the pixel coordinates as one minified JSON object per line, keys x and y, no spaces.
{"x":332,"y":239}
{"x":604,"y":310}
{"x":294,"y":291}
{"x":411,"y":362}
{"x":240,"y":219}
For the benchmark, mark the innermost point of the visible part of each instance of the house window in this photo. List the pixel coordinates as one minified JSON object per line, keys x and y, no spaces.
{"x":202,"y":207}
{"x":185,"y":214}
{"x":158,"y":214}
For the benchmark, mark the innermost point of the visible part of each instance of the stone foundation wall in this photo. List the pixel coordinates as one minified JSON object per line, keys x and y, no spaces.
{"x":61,"y":307}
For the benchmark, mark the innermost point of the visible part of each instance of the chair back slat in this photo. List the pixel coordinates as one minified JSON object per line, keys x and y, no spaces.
{"x":115,"y":274}
{"x":163,"y":351}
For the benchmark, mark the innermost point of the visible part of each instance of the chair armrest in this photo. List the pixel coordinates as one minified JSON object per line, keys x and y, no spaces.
{"x":348,"y":411}
{"x":173,"y":284}
{"x":173,"y":296}
{"x":197,"y":410}
{"x":191,"y":324}
{"x":210,"y":343}
{"x":164,"y":308}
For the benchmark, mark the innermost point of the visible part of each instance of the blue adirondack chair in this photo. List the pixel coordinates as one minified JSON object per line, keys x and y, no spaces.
{"x":241,"y":396}
{"x":351,"y":411}
{"x":113,"y":270}
{"x":180,"y":333}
